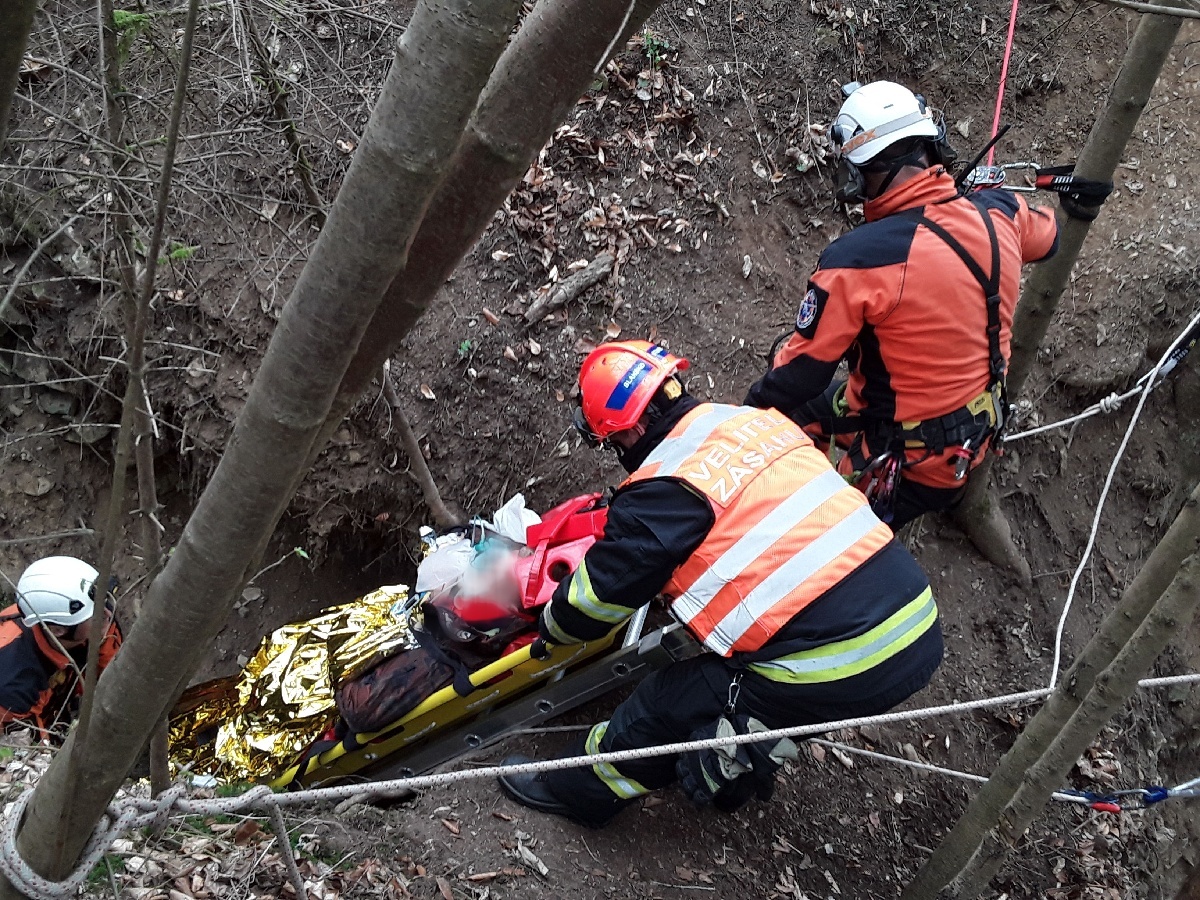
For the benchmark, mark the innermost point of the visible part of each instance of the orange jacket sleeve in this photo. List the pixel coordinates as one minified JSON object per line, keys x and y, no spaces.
{"x":1039,"y":232}
{"x":110,"y":645}
{"x":838,"y":304}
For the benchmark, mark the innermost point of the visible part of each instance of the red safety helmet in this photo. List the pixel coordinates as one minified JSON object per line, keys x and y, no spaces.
{"x":616,"y":384}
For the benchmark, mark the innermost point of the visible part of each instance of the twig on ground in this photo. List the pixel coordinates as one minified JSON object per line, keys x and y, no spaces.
{"x":38,"y":538}
{"x":1181,"y":12}
{"x":570,"y":288}
{"x":295,"y":551}
{"x":444,"y":515}
{"x":750,"y":108}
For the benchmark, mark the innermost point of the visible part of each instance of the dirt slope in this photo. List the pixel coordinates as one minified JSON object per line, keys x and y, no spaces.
{"x":685,"y":162}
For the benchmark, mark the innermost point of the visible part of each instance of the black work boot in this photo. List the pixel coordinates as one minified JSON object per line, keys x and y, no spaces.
{"x":531,"y":789}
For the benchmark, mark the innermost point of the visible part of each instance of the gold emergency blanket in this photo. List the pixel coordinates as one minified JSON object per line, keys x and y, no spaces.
{"x":284,"y":697}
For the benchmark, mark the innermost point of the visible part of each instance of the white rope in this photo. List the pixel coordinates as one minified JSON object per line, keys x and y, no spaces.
{"x":616,"y":37}
{"x":1109,"y":404}
{"x":929,"y":767}
{"x":1113,"y":401}
{"x":132,"y":813}
{"x":1112,"y":471}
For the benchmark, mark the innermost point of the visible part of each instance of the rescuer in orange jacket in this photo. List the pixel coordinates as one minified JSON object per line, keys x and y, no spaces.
{"x":43,"y":642}
{"x":919,"y":300}
{"x":807,"y":607}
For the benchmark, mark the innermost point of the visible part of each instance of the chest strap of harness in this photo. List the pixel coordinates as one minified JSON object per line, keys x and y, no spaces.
{"x":990,"y":285}
{"x":985,"y":415}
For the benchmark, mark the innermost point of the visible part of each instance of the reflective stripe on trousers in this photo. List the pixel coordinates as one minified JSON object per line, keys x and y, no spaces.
{"x":624,"y":788}
{"x":842,"y":659}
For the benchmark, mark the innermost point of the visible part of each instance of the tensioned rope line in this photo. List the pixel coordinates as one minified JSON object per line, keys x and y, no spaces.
{"x":927,"y":767}
{"x":1108,"y":404}
{"x":1107,"y":801}
{"x":1008,"y":46}
{"x":137,"y":812}
{"x":1112,"y":471}
{"x":1113,"y":401}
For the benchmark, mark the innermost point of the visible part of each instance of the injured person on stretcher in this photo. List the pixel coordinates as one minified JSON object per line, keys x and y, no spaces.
{"x":326,"y":697}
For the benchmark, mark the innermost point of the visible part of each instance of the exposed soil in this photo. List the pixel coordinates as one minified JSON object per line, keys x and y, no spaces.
{"x":685,"y":162}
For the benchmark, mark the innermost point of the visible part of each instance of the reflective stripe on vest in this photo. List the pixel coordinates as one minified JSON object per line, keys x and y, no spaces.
{"x":670,"y":454}
{"x":792,"y":575}
{"x":843,"y":659}
{"x":786,"y":529}
{"x":625,"y":788}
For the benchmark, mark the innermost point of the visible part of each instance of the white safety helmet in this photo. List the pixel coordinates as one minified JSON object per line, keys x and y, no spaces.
{"x":877,"y":115}
{"x":57,"y":590}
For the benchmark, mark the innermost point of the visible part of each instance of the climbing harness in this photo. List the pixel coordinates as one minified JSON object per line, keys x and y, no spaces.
{"x":997,"y":365}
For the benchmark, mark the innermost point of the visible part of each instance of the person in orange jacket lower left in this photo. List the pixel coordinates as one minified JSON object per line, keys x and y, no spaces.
{"x":43,"y":643}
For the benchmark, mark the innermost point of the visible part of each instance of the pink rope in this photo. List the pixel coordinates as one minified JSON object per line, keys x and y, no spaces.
{"x":1012,"y":28}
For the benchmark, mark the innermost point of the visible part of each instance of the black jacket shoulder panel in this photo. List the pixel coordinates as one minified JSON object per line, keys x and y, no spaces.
{"x":885,"y":242}
{"x":996,"y":198}
{"x":23,"y":674}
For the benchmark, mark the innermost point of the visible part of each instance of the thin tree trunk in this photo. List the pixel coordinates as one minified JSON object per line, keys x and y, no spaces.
{"x":978,"y":514}
{"x":135,"y":302}
{"x":1111,"y":689}
{"x":16,"y":21}
{"x":442,"y":62}
{"x":1181,"y":541}
{"x":553,"y":59}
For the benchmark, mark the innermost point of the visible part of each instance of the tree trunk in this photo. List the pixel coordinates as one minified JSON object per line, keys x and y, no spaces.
{"x":442,"y":62}
{"x":16,"y":21}
{"x":1181,"y":541}
{"x":1111,"y":689}
{"x":982,"y":520}
{"x":1147,"y":52}
{"x":1191,"y":887}
{"x":553,"y":58}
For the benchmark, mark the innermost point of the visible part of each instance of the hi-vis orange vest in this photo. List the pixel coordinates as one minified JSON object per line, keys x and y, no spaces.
{"x":787,"y":526}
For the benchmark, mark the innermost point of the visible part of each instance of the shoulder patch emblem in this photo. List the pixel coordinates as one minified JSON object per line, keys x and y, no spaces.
{"x":810,"y":310}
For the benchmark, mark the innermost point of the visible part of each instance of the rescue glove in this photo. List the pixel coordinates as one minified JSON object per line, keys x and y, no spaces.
{"x":728,"y":777}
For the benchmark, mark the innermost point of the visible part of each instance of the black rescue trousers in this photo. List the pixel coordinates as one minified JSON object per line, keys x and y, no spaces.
{"x":672,"y":703}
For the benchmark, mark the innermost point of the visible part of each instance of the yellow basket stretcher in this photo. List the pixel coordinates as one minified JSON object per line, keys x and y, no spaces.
{"x":514,"y":693}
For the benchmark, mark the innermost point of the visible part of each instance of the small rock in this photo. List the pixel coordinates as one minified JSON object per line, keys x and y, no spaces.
{"x":86,"y":433}
{"x":38,"y":487}
{"x":33,"y":369}
{"x":56,"y":403}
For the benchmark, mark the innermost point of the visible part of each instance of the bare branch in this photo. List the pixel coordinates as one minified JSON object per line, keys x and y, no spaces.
{"x":38,"y":538}
{"x":445,"y":516}
{"x":570,"y":288}
{"x":279,"y":104}
{"x":1152,"y":8}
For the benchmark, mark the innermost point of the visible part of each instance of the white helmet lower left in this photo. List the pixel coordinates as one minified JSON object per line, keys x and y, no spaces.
{"x":57,"y":590}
